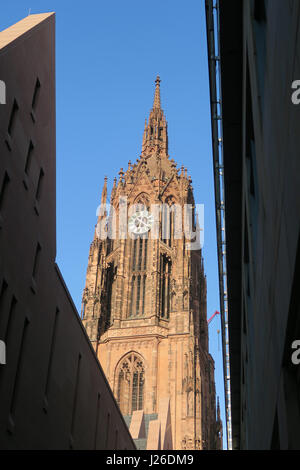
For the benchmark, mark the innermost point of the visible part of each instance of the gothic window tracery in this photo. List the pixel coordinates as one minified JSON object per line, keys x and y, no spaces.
{"x":139,"y":255}
{"x":139,"y":278}
{"x":168,"y":220}
{"x":110,"y":289}
{"x":190,"y":402}
{"x":141,"y":202}
{"x":165,"y":279}
{"x":130,"y":379}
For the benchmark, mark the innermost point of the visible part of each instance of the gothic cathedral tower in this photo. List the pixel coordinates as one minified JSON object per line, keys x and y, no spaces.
{"x":144,"y":302}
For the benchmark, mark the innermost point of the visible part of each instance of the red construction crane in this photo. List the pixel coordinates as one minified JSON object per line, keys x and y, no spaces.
{"x":210,"y":320}
{"x":213,"y":316}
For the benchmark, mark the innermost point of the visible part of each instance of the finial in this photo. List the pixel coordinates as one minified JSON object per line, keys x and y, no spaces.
{"x":104,"y":191}
{"x":121,"y":173}
{"x":156,"y":104}
{"x":102,"y":208}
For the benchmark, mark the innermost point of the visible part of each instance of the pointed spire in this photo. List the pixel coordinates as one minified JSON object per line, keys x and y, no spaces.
{"x":156,"y":104}
{"x":101,"y":211}
{"x":113,"y":191}
{"x":104,"y":192}
{"x":155,"y":136}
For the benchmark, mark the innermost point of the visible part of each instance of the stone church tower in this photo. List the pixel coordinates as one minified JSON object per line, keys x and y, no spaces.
{"x":144,"y":302}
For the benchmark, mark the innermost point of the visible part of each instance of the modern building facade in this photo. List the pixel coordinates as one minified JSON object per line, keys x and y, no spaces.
{"x":53,"y":392}
{"x":253,"y":48}
{"x":144,"y":302}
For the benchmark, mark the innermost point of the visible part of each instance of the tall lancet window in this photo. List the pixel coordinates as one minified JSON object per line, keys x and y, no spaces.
{"x":110,"y":288}
{"x":139,"y":253}
{"x":139,"y":256}
{"x":129,"y":384}
{"x":168,"y":221}
{"x":164,"y":291}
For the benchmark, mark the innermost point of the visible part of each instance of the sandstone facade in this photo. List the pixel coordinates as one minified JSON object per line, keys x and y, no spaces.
{"x":144,"y":302}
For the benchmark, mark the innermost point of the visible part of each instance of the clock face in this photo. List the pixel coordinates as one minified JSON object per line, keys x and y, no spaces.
{"x":140,"y":222}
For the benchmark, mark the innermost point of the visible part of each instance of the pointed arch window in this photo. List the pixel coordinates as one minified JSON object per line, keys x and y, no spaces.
{"x":139,"y":277}
{"x":130,"y":379}
{"x":110,"y":287}
{"x":139,"y":257}
{"x":168,"y":221}
{"x":164,"y":291}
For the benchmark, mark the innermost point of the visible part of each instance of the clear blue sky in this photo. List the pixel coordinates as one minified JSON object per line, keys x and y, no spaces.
{"x":108,"y":54}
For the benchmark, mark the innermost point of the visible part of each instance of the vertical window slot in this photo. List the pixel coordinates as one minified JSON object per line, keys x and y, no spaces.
{"x":4,"y":189}
{"x":36,"y":94}
{"x":10,"y":318}
{"x":3,"y":294}
{"x":36,"y":260}
{"x":75,"y":398}
{"x":39,"y":185}
{"x":107,"y":430}
{"x":12,"y":119}
{"x":28,"y":158}
{"x":97,"y":420}
{"x":3,"y":298}
{"x":18,"y":374}
{"x":52,"y":347}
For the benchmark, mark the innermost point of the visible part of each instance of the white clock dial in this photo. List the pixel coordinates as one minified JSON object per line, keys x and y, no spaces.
{"x":140,"y":222}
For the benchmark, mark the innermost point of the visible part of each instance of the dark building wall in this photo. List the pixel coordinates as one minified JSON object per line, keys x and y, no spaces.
{"x":271,"y":219}
{"x":259,"y":61}
{"x":53,"y":392}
